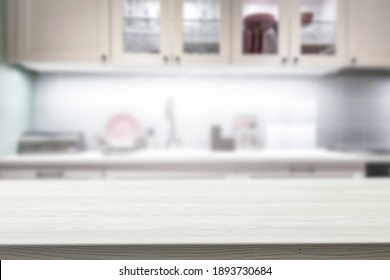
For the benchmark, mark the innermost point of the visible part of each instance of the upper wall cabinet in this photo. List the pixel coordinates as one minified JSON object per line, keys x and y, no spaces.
{"x":369,"y":35}
{"x":70,"y":31}
{"x":261,"y":31}
{"x":318,"y":34}
{"x":289,"y":32}
{"x":174,"y":32}
{"x":141,"y":31}
{"x":170,"y":31}
{"x":201,"y":31}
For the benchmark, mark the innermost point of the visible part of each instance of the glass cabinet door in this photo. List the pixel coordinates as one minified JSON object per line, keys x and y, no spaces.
{"x":260,"y":31}
{"x":318,"y":32}
{"x":202,"y":31}
{"x":141,"y":26}
{"x":138,"y":30}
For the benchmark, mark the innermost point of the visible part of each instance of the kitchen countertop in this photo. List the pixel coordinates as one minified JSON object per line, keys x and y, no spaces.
{"x":195,"y":212}
{"x":192,"y":156}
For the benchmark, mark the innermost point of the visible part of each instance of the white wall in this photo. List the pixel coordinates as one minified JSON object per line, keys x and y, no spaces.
{"x":294,"y":112}
{"x":358,"y":114}
{"x":285,"y":107}
{"x":15,"y":98}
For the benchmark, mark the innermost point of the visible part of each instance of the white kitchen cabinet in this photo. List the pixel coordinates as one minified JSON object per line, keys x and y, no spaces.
{"x":58,"y":31}
{"x":51,"y":174}
{"x":141,"y":31}
{"x":263,"y":170}
{"x":327,"y":170}
{"x":293,"y":33}
{"x":174,"y":32}
{"x":369,"y":36}
{"x":201,"y":30}
{"x":83,"y":174}
{"x":170,"y":32}
{"x":318,"y":34}
{"x":302,"y":170}
{"x":340,"y":170}
{"x":18,"y":174}
{"x":129,"y":175}
{"x":261,"y":32}
{"x":188,"y":170}
{"x":179,"y":170}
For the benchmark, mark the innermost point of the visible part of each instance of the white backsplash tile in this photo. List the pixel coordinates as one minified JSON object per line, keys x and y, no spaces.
{"x":292,"y":112}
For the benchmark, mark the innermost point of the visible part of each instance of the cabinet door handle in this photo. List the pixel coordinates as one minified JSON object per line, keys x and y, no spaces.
{"x":296,"y":60}
{"x":166,"y":59}
{"x":284,"y":60}
{"x":354,"y":60}
{"x":104,"y":58}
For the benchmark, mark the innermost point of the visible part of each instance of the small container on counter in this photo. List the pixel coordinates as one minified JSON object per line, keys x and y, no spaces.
{"x":245,"y":133}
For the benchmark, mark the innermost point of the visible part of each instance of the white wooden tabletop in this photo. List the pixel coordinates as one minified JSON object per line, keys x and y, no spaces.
{"x":195,"y":212}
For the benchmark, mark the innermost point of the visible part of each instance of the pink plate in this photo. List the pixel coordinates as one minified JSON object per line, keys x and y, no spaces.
{"x":122,"y":131}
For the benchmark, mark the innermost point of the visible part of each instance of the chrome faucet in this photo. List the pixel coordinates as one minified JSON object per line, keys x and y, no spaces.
{"x":172,"y":141}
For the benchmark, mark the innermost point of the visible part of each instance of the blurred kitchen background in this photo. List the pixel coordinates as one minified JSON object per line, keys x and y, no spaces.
{"x":338,"y":109}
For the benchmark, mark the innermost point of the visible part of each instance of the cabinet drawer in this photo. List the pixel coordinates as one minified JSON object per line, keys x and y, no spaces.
{"x":303,"y":170}
{"x":171,"y":171}
{"x":340,"y":170}
{"x":264,"y":170}
{"x":129,"y":175}
{"x":51,"y":174}
{"x":83,"y":174}
{"x":18,"y":174}
{"x":378,"y":170}
{"x":328,"y":170}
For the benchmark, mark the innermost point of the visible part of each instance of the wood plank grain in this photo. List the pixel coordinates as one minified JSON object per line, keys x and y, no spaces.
{"x":195,"y":212}
{"x":200,"y":252}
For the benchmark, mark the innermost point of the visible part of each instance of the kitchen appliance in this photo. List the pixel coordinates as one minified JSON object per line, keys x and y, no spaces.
{"x":378,"y":170}
{"x":34,"y":142}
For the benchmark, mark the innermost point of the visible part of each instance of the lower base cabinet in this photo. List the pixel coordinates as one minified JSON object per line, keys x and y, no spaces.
{"x":50,"y":174}
{"x":191,"y":171}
